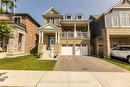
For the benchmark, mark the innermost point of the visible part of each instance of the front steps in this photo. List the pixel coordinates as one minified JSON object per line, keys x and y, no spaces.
{"x":46,"y":55}
{"x":17,"y":54}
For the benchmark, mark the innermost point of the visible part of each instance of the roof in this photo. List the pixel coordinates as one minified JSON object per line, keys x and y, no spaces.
{"x":29,"y":16}
{"x":53,"y":9}
{"x":117,"y":5}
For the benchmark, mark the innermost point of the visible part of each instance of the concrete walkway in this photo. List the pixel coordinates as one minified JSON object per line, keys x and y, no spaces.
{"x":65,"y":79}
{"x":85,"y":63}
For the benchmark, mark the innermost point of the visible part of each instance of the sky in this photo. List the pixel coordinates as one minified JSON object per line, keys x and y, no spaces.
{"x":87,"y":7}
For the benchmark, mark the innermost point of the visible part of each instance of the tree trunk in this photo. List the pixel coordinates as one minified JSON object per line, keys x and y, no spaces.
{"x":6,"y":8}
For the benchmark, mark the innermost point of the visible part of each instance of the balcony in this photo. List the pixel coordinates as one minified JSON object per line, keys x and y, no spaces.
{"x":75,"y":35}
{"x":13,"y":22}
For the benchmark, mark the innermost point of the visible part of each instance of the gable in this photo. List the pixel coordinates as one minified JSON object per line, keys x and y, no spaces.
{"x":49,"y":26}
{"x":124,"y":3}
{"x":120,"y":4}
{"x":52,"y":11}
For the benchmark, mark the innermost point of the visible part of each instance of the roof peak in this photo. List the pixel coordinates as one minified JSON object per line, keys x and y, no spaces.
{"x":53,"y":9}
{"x":124,"y":1}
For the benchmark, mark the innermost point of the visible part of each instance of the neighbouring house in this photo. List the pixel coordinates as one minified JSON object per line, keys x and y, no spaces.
{"x":25,"y":32}
{"x":63,"y":35}
{"x":110,"y":29}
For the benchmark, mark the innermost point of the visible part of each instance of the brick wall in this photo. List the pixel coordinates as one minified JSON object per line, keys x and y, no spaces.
{"x":31,"y":39}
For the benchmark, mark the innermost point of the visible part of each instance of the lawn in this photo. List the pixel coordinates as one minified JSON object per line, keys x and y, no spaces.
{"x":26,"y":63}
{"x":118,"y":62}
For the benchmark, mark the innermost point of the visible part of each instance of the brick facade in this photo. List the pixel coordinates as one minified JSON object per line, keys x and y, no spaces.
{"x":27,"y":28}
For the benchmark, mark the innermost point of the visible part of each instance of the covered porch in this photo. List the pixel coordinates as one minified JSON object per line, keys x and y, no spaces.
{"x":49,"y":36}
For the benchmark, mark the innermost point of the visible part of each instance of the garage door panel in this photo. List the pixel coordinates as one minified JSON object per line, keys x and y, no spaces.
{"x":77,"y":50}
{"x":81,"y":50}
{"x":66,"y":50}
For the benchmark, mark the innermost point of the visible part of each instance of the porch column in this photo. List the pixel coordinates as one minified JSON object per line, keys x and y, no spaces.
{"x":106,"y":44}
{"x":39,"y":36}
{"x":42,"y":37}
{"x":88,"y":30}
{"x":75,"y":35}
{"x":56,"y":37}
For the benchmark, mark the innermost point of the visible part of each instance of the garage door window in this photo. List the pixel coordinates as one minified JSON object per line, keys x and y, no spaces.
{"x":84,"y":45}
{"x":70,"y":45}
{"x":78,"y":45}
{"x":64,"y":45}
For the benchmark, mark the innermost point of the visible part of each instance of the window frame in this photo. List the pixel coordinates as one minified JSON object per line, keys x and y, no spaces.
{"x":18,"y":17}
{"x":121,"y":18}
{"x":118,"y":21}
{"x":67,"y":18}
{"x":80,"y":16}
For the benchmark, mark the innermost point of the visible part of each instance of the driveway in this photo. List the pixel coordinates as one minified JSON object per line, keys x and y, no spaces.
{"x":85,"y":63}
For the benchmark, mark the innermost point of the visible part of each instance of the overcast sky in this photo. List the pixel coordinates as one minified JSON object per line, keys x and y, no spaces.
{"x":87,"y":7}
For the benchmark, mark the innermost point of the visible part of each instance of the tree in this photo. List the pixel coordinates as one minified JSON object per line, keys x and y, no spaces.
{"x":2,"y":10}
{"x":9,"y":4}
{"x":5,"y":31}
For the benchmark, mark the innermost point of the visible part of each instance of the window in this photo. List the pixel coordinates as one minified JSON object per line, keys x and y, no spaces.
{"x":125,"y":19}
{"x":116,"y":48}
{"x":48,"y":20}
{"x":52,"y":21}
{"x":115,"y":21}
{"x":69,"y":17}
{"x":124,"y":48}
{"x":17,"y":20}
{"x":79,"y":17}
{"x":57,"y":21}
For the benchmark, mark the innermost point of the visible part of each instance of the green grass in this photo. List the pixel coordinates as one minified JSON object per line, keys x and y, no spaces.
{"x":120,"y":63}
{"x":26,"y":63}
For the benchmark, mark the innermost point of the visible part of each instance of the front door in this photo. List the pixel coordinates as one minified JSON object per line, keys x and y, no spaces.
{"x":51,"y":41}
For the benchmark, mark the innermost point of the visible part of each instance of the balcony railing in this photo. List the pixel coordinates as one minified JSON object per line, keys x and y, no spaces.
{"x":77,"y":35}
{"x":82,"y":34}
{"x":13,"y":22}
{"x":68,"y":34}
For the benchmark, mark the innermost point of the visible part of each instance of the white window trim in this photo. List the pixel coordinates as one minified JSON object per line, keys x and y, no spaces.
{"x":18,"y":17}
{"x":69,"y":19}
{"x":113,"y":22}
{"x":79,"y":19}
{"x":121,"y":19}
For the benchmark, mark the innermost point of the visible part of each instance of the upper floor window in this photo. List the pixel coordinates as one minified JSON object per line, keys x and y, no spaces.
{"x":57,"y":21}
{"x":69,"y":17}
{"x":17,"y":19}
{"x":125,"y":19}
{"x":115,"y":21}
{"x":80,"y":17}
{"x":50,"y":20}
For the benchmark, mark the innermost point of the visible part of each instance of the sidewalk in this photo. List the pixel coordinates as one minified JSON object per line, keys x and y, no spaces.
{"x":66,"y":79}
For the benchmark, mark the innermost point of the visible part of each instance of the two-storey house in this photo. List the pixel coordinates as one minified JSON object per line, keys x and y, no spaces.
{"x":25,"y":33}
{"x":110,"y":29}
{"x":63,"y":34}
